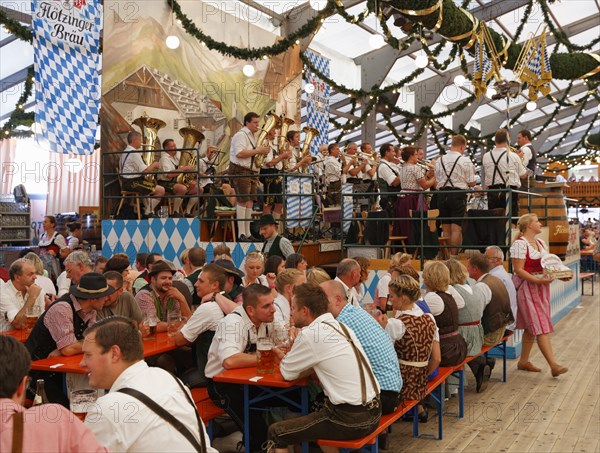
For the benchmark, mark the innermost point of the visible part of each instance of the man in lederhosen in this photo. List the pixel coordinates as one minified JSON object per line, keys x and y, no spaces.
{"x":454,"y":171}
{"x":244,"y":148}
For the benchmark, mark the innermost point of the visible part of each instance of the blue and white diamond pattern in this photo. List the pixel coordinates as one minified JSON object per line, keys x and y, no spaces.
{"x":348,"y":206}
{"x":67,"y":79}
{"x":318,"y":116}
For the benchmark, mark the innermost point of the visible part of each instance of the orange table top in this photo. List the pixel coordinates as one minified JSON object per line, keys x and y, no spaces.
{"x":71,"y":364}
{"x":248,"y":375}
{"x":20,"y":335}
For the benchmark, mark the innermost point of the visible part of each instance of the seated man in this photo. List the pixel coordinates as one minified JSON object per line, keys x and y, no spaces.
{"x":234,"y":346}
{"x":170,"y":162}
{"x":121,"y":302}
{"x":143,"y":278}
{"x":76,"y":264}
{"x":59,"y":331}
{"x":134,"y":171}
{"x":275,"y":244}
{"x":114,"y":357}
{"x":332,"y":351}
{"x":199,"y":330}
{"x":18,"y":295}
{"x":39,"y":431}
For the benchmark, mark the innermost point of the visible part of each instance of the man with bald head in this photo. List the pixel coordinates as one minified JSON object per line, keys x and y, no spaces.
{"x":378,"y":346}
{"x":348,"y":274}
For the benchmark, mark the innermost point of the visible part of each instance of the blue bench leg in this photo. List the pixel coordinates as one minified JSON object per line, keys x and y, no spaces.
{"x":461,"y":393}
{"x":440,"y":410}
{"x":209,"y":430}
{"x":504,"y":361}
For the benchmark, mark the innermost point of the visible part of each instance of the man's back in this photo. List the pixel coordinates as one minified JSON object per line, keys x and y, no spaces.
{"x":47,"y":428}
{"x":123,"y":423}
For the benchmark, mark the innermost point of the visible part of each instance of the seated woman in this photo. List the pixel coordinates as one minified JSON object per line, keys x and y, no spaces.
{"x":274,"y":265}
{"x":444,"y":302}
{"x":415,"y":337}
{"x":469,"y":316}
{"x":361,"y":286}
{"x":381,"y":292}
{"x":296,"y":261}
{"x":285,"y":283}
{"x":254,"y":267}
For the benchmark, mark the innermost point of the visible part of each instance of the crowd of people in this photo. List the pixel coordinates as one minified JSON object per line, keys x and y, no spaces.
{"x":253,"y":180}
{"x":390,"y":344}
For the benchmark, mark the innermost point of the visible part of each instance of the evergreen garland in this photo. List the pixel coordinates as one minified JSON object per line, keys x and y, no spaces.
{"x":19,"y":117}
{"x":14,"y":27}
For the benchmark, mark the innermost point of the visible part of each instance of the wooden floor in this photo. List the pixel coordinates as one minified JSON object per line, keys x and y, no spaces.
{"x":531,"y":412}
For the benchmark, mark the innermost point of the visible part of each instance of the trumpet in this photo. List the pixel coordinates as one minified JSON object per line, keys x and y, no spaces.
{"x":359,"y":156}
{"x":426,"y":164}
{"x":512,"y":149}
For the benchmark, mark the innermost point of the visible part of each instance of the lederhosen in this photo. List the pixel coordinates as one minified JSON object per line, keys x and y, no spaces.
{"x":449,"y":203}
{"x":138,"y":184}
{"x":40,"y":344}
{"x":498,"y":199}
{"x":387,"y":201}
{"x":272,"y":184}
{"x":452,"y":345}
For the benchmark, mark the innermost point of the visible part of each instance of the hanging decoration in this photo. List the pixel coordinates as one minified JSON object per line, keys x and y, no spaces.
{"x":533,"y":67}
{"x":486,"y":62}
{"x":20,"y":118}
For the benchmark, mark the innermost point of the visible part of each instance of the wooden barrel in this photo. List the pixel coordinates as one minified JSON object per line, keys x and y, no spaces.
{"x":556,"y":220}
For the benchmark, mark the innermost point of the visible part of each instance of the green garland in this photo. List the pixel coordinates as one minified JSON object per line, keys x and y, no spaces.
{"x":19,"y":117}
{"x":254,"y":53}
{"x":14,"y":27}
{"x":560,"y":36}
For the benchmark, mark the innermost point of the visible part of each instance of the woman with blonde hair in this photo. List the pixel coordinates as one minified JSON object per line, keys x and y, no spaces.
{"x":533,"y":294}
{"x":254,"y":267}
{"x":285,"y":282}
{"x":40,"y":278}
{"x":444,"y":302}
{"x":415,"y":337}
{"x":361,"y":286}
{"x":382,"y":291}
{"x":317,"y":275}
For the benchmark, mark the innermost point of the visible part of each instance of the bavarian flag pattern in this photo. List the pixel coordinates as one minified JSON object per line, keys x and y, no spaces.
{"x":66,"y":39}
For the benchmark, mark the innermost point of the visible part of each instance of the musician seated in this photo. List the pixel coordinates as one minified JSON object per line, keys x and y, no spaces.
{"x":226,"y":198}
{"x":169,"y":162}
{"x":134,"y":171}
{"x":297,"y":161}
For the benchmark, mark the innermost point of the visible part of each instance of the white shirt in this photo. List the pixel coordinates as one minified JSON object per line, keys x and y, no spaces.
{"x":46,"y":284}
{"x":123,"y":423}
{"x":206,"y":317}
{"x":527,"y":153}
{"x":167,"y":163}
{"x":242,"y":140}
{"x":485,"y":289}
{"x":332,"y":358}
{"x":461,"y":177}
{"x":132,"y":163}
{"x":509,"y":167}
{"x":63,"y":283}
{"x":388,"y":171}
{"x":273,"y":153}
{"x":282,"y":309}
{"x":234,"y":333}
{"x":396,"y":328}
{"x":203,"y":165}
{"x":506,"y":278}
{"x":333,"y":169}
{"x":383,"y":287}
{"x":351,"y":293}
{"x":436,"y":304}
{"x":11,"y":302}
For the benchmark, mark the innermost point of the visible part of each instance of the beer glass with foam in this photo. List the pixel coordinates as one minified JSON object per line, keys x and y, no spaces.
{"x":265,"y":357}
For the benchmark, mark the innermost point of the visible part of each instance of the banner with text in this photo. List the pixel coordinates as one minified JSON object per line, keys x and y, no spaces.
{"x":66,"y":39}
{"x":317,"y":100}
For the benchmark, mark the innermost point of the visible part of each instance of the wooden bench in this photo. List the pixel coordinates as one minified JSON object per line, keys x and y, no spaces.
{"x":587,"y":276}
{"x":206,"y":408}
{"x":370,"y":443}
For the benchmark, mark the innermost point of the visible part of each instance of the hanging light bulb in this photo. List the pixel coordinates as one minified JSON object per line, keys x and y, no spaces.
{"x":318,"y":5}
{"x":531,"y":106}
{"x":36,"y":128}
{"x":309,"y":88}
{"x":248,"y":70}
{"x":172,"y":42}
{"x":588,"y":162}
{"x":421,"y":61}
{"x":460,"y":80}
{"x":376,"y":41}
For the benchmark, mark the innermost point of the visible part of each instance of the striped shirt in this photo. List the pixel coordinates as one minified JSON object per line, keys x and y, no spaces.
{"x":377,"y":345}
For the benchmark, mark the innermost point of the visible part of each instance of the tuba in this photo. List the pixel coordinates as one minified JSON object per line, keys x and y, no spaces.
{"x":149,"y":128}
{"x":272,"y":121}
{"x":310,"y":134}
{"x":190,"y":136}
{"x":282,"y":144}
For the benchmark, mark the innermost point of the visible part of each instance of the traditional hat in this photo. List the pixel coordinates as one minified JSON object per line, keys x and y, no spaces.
{"x":92,"y":286}
{"x":230,"y":268}
{"x":161,"y":266}
{"x":267,"y":219}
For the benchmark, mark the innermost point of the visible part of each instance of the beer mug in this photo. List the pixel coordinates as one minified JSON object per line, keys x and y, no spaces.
{"x":174,"y":321}
{"x":150,"y":321}
{"x":31,"y":316}
{"x":81,"y":400}
{"x":265,"y":357}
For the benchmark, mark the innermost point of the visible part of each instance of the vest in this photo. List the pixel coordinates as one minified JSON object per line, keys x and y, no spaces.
{"x":471,"y":312}
{"x":40,"y":342}
{"x":157,"y":305}
{"x":447,"y":321}
{"x":533,"y":161}
{"x":275,"y":249}
{"x":497,"y":314}
{"x":193,"y":278}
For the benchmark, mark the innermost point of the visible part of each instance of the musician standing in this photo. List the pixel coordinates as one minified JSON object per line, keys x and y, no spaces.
{"x":334,"y":172}
{"x":244,"y":149}
{"x":274,"y":163}
{"x":297,"y":162}
{"x":388,"y":176}
{"x":454,"y":171}
{"x":169,"y":162}
{"x":133,"y":179}
{"x":356,"y":173}
{"x":370,"y":175}
{"x":503,"y":168}
{"x":528,"y":154}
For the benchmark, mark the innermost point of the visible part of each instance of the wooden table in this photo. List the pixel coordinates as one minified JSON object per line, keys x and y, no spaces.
{"x":71,"y":364}
{"x":270,"y":386}
{"x":20,"y":335}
